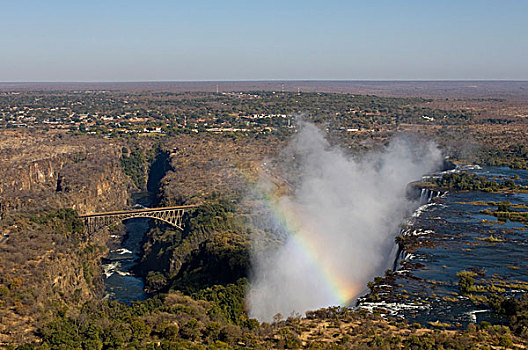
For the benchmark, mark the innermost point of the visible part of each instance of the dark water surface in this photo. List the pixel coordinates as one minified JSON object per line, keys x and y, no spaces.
{"x":452,"y":237}
{"x":120,"y":283}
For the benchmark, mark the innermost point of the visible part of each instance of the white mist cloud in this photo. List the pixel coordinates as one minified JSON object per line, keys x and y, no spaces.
{"x":343,"y":215}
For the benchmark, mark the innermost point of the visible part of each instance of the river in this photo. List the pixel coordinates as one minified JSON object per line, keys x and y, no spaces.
{"x":453,"y":235}
{"x":119,"y":280}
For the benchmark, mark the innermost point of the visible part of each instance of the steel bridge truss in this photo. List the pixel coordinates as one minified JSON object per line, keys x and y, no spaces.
{"x":171,"y":215}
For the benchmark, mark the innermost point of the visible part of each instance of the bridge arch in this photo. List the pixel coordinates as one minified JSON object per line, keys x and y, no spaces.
{"x":151,"y":217}
{"x":170,"y":215}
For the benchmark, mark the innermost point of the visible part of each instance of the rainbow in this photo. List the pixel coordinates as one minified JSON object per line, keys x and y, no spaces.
{"x":308,"y":241}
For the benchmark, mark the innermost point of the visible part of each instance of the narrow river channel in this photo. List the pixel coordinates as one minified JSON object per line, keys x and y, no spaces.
{"x":120,"y":282}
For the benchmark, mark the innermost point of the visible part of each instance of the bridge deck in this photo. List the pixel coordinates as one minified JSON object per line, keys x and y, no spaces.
{"x":110,"y":213}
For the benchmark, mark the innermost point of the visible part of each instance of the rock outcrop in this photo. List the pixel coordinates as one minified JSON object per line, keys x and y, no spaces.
{"x":52,"y":171}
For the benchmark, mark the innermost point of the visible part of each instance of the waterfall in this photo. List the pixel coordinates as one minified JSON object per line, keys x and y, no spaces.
{"x":394,"y":255}
{"x":426,"y":195}
{"x":422,"y":195}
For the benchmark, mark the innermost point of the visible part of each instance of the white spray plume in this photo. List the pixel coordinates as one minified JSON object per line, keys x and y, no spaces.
{"x":347,"y":214}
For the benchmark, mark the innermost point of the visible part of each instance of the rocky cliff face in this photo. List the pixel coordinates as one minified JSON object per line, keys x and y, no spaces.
{"x":51,"y":171}
{"x":47,"y":264}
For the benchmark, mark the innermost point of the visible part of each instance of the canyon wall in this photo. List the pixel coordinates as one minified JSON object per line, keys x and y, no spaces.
{"x":58,"y":170}
{"x":47,"y":263}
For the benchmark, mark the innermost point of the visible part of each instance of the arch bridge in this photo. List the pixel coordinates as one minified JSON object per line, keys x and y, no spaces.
{"x":171,"y":215}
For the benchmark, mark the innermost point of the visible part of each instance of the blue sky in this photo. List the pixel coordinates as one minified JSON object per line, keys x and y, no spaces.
{"x":119,"y":40}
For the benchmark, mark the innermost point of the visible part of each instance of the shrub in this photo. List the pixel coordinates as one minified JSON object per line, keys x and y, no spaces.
{"x":466,"y":280}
